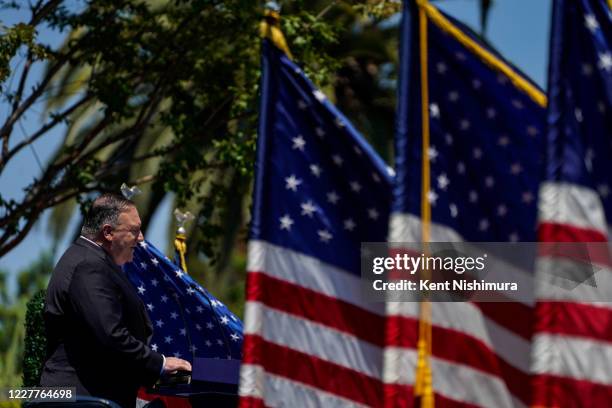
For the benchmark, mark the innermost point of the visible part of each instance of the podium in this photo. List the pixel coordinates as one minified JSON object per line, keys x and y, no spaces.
{"x":214,"y":383}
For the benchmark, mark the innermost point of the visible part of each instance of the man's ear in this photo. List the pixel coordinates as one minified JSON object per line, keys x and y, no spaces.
{"x":107,"y":232}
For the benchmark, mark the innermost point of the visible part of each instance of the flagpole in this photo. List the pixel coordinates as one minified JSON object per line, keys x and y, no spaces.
{"x":423,"y":379}
{"x":270,"y":28}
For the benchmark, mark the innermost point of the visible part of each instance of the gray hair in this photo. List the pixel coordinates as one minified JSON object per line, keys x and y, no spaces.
{"x":104,"y":210}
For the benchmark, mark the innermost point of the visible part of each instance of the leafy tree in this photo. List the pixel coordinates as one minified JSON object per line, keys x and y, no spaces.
{"x":157,"y":92}
{"x":30,"y":281}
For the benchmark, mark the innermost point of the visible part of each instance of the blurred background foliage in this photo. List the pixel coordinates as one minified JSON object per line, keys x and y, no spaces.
{"x":164,"y":94}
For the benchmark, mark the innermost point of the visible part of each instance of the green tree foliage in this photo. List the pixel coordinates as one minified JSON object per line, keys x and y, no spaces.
{"x":163,"y":92}
{"x":29,"y":281}
{"x":35,"y":342}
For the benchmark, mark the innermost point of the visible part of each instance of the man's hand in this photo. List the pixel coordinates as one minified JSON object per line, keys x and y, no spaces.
{"x":174,"y":364}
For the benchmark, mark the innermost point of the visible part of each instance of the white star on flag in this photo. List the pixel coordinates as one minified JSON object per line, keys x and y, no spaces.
{"x":324,"y":235}
{"x":604,"y":190}
{"x":605,"y":61}
{"x":209,"y":325}
{"x":473,"y":196}
{"x":315,"y":170}
{"x":154,"y":282}
{"x":292,"y":182}
{"x":434,"y":110}
{"x":224,"y":320}
{"x":319,"y":95}
{"x":179,"y":273}
{"x":591,"y":22}
{"x":461,"y":168}
{"x":373,"y":214}
{"x":349,"y":224}
{"x":286,"y":222}
{"x":168,"y":339}
{"x":516,"y":168}
{"x":150,"y":307}
{"x":141,"y":289}
{"x":483,"y":225}
{"x":320,"y":132}
{"x":159,"y":323}
{"x":298,"y":143}
{"x":308,"y":208}
{"x":443,"y":181}
{"x":432,"y":197}
{"x":154,"y":261}
{"x":154,"y":347}
{"x":432,"y":152}
{"x":532,"y":131}
{"x":234,"y":337}
{"x":337,"y":160}
{"x":333,"y":197}
{"x":173,"y":315}
{"x":355,"y":186}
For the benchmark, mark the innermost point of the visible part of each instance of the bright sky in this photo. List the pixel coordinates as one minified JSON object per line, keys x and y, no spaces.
{"x":519,"y":29}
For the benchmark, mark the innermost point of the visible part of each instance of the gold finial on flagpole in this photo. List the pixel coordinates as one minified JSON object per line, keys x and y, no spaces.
{"x":270,"y":27}
{"x":180,"y":241}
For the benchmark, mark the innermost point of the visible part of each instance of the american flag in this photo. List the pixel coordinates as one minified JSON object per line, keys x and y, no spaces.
{"x":320,"y":190}
{"x":572,"y":357}
{"x":486,"y":130}
{"x":188,"y":321}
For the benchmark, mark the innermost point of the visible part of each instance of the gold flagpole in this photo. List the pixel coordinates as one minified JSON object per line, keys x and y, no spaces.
{"x":270,"y":28}
{"x":423,"y":379}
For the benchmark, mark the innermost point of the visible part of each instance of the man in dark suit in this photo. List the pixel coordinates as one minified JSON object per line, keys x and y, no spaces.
{"x":97,"y":327}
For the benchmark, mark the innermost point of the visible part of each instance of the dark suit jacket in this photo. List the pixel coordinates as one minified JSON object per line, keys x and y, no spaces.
{"x":97,"y":328}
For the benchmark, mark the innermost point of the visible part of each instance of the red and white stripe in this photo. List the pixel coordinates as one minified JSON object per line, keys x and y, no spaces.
{"x":309,"y":339}
{"x":572,"y":350}
{"x":480,"y":351}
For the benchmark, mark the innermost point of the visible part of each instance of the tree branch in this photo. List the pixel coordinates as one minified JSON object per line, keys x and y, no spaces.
{"x":51,"y":124}
{"x":7,"y":128}
{"x":39,"y":14}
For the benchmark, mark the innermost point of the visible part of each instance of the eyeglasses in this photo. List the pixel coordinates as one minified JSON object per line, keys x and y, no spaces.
{"x":134,"y":230}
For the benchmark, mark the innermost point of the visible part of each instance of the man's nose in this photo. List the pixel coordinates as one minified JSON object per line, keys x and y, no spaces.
{"x":140,"y":236}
